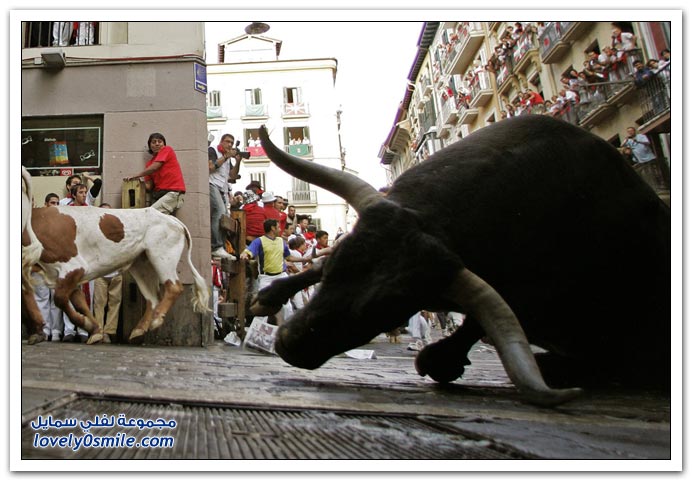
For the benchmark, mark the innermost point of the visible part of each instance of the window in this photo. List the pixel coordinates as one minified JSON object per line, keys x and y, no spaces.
{"x":253,"y":103}
{"x":252,"y":143}
{"x":292,"y":95}
{"x":52,"y":144}
{"x":297,"y":140}
{"x":253,"y":96}
{"x":214,"y":98}
{"x":260,"y":177}
{"x":60,"y":34}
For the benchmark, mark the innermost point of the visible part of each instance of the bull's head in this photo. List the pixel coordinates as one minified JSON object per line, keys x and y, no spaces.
{"x":389,"y":267}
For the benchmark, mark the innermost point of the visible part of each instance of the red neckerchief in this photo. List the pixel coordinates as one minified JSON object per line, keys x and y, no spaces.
{"x":309,"y":235}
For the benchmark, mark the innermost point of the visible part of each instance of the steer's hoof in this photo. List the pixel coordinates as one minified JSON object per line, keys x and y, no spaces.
{"x":550,"y":397}
{"x":95,"y":338}
{"x":137,"y":336}
{"x":36,"y":338}
{"x":432,"y":361}
{"x":156,"y":323}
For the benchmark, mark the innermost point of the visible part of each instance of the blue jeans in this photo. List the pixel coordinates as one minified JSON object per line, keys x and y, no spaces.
{"x":217,"y":210}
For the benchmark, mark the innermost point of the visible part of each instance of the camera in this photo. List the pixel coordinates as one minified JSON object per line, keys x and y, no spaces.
{"x":243,"y":155}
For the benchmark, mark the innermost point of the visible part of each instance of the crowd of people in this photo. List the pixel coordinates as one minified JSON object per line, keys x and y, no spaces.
{"x":617,"y":61}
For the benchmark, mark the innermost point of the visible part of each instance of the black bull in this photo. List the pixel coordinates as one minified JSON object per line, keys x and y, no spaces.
{"x":536,"y":229}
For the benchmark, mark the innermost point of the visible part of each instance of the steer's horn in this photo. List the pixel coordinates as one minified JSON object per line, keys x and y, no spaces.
{"x":355,"y":191}
{"x":481,"y":301}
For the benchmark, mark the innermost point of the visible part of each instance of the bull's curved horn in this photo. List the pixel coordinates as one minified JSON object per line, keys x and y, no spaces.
{"x":498,"y":321}
{"x":355,"y":191}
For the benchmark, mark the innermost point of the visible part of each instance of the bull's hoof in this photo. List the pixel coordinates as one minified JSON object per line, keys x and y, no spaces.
{"x":259,"y":309}
{"x":433,"y":362}
{"x":95,"y":338}
{"x":36,"y":338}
{"x":137,"y":336}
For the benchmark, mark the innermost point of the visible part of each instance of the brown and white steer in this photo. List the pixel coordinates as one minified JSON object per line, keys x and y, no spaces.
{"x":84,"y":243}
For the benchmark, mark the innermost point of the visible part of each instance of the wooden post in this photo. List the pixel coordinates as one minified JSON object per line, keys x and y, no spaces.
{"x":234,"y":307}
{"x":133,"y":194}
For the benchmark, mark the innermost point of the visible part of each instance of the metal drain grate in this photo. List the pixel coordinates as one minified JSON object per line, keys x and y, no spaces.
{"x":220,"y":432}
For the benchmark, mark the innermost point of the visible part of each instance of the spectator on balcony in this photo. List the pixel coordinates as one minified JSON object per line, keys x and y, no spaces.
{"x":533,"y":99}
{"x":642,"y":74}
{"x":511,"y":111}
{"x":539,"y":28}
{"x":595,"y":66}
{"x":622,"y":41}
{"x":665,"y":58}
{"x":251,"y":142}
{"x":640,"y":145}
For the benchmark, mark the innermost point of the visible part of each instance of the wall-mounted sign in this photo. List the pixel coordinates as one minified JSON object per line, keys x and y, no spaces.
{"x":201,"y":78}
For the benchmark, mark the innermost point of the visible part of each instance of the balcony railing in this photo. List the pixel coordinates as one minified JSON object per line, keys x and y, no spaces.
{"x":214,"y":112}
{"x":300,"y":150}
{"x":526,"y":43}
{"x":256,"y":110}
{"x":295,"y":109}
{"x":481,"y":89}
{"x":302,"y":197}
{"x":654,"y":95}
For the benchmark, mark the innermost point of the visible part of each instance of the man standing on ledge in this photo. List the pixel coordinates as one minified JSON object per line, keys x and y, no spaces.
{"x":162,"y":174}
{"x":219,"y":171}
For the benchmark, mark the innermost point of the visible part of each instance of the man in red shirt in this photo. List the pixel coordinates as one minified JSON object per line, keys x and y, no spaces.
{"x":163,"y":171}
{"x":268,"y":200}
{"x":254,"y":216}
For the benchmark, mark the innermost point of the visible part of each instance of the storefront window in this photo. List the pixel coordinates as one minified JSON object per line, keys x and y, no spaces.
{"x":52,"y":145}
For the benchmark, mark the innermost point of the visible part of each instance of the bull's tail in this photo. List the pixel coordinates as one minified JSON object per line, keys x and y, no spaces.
{"x":31,"y":253}
{"x":200,"y":301}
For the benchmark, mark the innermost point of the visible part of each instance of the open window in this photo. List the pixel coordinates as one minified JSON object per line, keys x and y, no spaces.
{"x":60,"y":34}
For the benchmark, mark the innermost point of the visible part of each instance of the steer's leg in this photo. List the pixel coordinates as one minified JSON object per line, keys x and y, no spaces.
{"x":171,"y":292}
{"x":89,"y":322}
{"x":64,"y":289}
{"x":35,"y":318}
{"x":143,"y":273}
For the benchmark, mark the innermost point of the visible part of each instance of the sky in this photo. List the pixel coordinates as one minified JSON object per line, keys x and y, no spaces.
{"x":371,"y":77}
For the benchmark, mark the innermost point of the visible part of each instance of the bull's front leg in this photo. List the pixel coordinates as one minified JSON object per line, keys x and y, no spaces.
{"x":270,"y":299}
{"x":34,"y":317}
{"x":445,"y":359}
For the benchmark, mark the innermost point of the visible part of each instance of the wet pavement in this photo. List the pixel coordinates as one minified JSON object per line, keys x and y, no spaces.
{"x":232,"y":403}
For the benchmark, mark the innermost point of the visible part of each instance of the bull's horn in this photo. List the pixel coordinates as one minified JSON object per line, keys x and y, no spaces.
{"x":355,"y":191}
{"x":480,"y":300}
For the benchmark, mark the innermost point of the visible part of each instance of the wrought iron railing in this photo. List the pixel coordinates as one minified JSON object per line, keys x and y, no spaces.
{"x":654,"y":94}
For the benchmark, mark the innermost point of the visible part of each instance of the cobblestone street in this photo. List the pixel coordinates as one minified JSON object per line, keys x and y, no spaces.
{"x":478,"y":417}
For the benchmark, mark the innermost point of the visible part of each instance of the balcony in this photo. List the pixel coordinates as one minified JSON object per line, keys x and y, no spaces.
{"x":214,"y":112}
{"x":552,"y":46}
{"x":256,"y":111}
{"x":654,"y":97}
{"x":302,"y":197}
{"x":448,"y":111}
{"x":469,"y":37}
{"x":296,"y":109}
{"x":467,"y":115}
{"x":572,"y":31}
{"x":503,"y":75}
{"x":525,"y":50}
{"x":481,"y":90}
{"x":256,"y":152}
{"x":300,"y":150}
